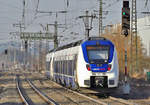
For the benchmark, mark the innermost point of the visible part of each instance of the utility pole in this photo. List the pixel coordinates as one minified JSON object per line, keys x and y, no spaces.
{"x":26,"y":53}
{"x":55,"y":35}
{"x":134,"y":33}
{"x":34,"y":56}
{"x":100,"y":17}
{"x":87,"y":23}
{"x":56,"y":26}
{"x":56,"y":23}
{"x":146,"y":2}
{"x":40,"y":55}
{"x":20,"y":30}
{"x":47,"y":41}
{"x":23,"y":13}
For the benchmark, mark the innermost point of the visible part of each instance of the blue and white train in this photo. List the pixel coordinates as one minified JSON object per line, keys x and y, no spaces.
{"x":88,"y":63}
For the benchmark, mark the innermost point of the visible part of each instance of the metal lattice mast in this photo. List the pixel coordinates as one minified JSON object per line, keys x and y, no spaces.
{"x":134,"y":32}
{"x":23,"y":13}
{"x":100,"y":17}
{"x":40,"y":56}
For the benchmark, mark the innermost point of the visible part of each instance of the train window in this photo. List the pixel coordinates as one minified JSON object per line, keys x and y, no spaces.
{"x":70,"y":67}
{"x":73,"y":67}
{"x":65,"y":68}
{"x":74,"y":64}
{"x":55,"y":66}
{"x":47,"y":66}
{"x":61,"y":68}
{"x":98,"y":54}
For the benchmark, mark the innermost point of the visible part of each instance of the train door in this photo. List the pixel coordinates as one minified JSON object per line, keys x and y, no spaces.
{"x":52,"y":67}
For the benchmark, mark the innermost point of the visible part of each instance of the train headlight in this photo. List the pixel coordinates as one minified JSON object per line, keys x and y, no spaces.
{"x":109,"y":67}
{"x":88,"y":67}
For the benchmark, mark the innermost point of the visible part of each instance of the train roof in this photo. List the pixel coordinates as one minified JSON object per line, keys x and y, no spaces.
{"x":77,"y":43}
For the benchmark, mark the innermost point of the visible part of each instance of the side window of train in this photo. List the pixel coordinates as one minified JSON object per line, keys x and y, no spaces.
{"x":56,"y":66}
{"x":67,"y":67}
{"x":61,"y":66}
{"x":64,"y":66}
{"x":50,"y":60}
{"x":70,"y":67}
{"x":53,"y":64}
{"x":74,"y":64}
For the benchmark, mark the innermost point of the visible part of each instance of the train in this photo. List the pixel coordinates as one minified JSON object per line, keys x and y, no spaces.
{"x":89,"y":63}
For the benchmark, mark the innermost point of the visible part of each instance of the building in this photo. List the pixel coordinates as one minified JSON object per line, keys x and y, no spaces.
{"x":143,"y":27}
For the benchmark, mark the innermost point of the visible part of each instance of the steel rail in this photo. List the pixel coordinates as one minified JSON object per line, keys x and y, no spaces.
{"x":82,"y":95}
{"x":20,"y":93}
{"x":98,"y":101}
{"x":45,"y":97}
{"x":122,"y":101}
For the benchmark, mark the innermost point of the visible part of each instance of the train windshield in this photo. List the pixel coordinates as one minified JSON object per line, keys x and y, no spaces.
{"x":98,"y":54}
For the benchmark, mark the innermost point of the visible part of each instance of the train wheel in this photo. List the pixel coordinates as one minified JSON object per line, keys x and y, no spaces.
{"x":64,"y":83}
{"x":76,"y":87}
{"x":60,"y":82}
{"x":70,"y":85}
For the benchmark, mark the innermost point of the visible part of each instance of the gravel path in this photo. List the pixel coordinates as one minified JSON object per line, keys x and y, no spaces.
{"x":8,"y":92}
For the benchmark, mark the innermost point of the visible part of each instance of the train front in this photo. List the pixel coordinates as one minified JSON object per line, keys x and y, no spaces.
{"x":100,"y":65}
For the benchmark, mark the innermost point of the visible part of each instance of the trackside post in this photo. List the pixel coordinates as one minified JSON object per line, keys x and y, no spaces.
{"x":125,"y":30}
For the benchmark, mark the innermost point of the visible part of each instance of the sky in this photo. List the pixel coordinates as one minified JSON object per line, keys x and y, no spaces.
{"x":73,"y":27}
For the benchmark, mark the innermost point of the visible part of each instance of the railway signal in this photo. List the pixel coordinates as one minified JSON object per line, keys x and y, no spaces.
{"x":125,"y":29}
{"x":125,"y":18}
{"x":26,"y":45}
{"x":6,"y":51}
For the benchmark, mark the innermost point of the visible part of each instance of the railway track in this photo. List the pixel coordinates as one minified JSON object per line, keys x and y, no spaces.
{"x":26,"y":98}
{"x":108,"y":100}
{"x":105,"y":97}
{"x":91,"y":99}
{"x":101,"y":101}
{"x":64,"y":96}
{"x":56,"y":92}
